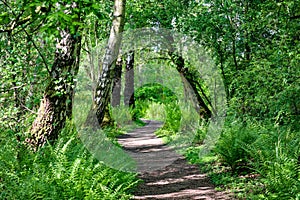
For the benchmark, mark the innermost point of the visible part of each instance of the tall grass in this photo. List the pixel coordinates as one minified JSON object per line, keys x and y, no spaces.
{"x":156,"y":111}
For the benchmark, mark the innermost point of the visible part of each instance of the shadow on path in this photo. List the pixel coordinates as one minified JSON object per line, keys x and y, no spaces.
{"x":166,"y":174}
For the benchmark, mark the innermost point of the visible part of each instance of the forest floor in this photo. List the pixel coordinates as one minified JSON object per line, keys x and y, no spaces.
{"x":165,"y":174}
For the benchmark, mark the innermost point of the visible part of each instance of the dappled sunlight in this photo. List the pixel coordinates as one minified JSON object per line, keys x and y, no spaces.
{"x":166,"y":174}
{"x":177,"y":181}
{"x":149,"y":151}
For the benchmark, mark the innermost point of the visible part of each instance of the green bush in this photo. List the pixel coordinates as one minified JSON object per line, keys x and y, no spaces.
{"x":173,"y":117}
{"x":155,"y":92}
{"x":140,"y":108}
{"x":158,"y":102}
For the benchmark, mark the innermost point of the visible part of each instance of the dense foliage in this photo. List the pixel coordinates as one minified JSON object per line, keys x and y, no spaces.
{"x":255,"y":45}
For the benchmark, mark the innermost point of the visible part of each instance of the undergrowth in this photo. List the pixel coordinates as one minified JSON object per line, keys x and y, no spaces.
{"x":65,"y":170}
{"x":254,"y":160}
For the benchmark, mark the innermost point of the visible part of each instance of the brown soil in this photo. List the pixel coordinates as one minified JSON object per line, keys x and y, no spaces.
{"x":166,"y":174}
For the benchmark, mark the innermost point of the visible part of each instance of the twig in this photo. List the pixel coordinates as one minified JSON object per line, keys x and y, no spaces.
{"x":26,"y":108}
{"x":35,"y":46}
{"x":39,"y":52}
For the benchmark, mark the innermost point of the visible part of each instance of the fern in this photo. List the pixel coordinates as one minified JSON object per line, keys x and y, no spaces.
{"x":275,"y":159}
{"x":63,"y":171}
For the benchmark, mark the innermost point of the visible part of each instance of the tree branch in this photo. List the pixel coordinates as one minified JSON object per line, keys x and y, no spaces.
{"x":295,"y":17}
{"x":39,"y":52}
{"x":17,"y":23}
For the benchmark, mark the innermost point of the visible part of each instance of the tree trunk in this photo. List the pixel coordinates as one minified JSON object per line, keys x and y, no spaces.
{"x":56,"y":105}
{"x":103,"y":89}
{"x":116,"y":93}
{"x":201,"y":108}
{"x":129,"y":80}
{"x":190,"y":81}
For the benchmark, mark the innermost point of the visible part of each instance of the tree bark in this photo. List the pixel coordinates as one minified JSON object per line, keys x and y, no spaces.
{"x":116,"y":93}
{"x":56,"y":105}
{"x":103,"y":89}
{"x":129,"y":80}
{"x":201,"y":108}
{"x":190,"y":81}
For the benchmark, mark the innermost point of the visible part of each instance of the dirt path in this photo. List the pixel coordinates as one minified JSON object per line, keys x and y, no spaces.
{"x":166,"y":174}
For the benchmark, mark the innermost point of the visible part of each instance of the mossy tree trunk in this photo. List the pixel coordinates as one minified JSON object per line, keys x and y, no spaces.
{"x":190,"y":81}
{"x":56,"y":105}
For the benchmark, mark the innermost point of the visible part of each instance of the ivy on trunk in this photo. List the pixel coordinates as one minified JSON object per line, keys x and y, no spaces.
{"x":56,"y":105}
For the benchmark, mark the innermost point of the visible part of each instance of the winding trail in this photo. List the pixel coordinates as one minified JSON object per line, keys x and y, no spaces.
{"x":166,"y":174}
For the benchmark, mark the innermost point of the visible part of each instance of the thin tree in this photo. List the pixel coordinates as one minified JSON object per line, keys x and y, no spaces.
{"x":103,"y":89}
{"x":129,"y":80}
{"x":116,"y":92}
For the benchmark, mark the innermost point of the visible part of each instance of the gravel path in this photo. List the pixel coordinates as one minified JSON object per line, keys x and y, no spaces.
{"x":166,"y":174}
